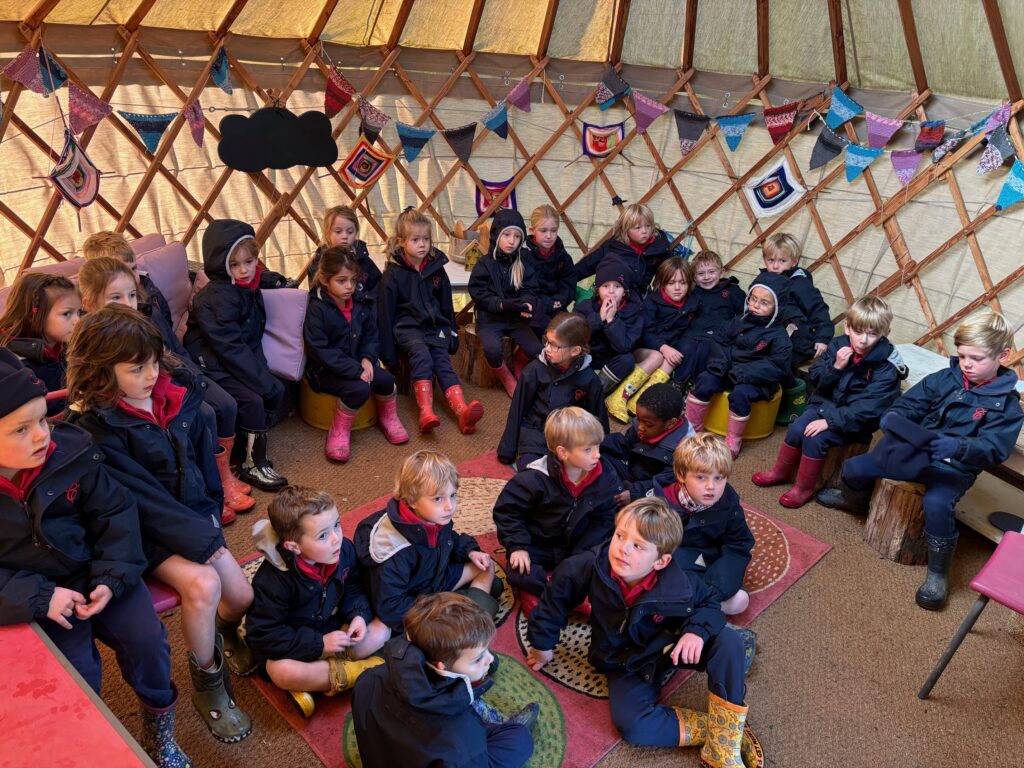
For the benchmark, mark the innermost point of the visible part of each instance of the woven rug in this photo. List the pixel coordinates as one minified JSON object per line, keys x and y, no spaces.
{"x":574,"y":728}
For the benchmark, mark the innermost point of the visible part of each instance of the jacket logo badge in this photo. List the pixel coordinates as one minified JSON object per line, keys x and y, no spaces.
{"x":725,"y":294}
{"x":578,"y":395}
{"x":979,"y":413}
{"x":657,"y":618}
{"x":72,"y":492}
{"x":867,"y":374}
{"x":761,"y":345}
{"x":436,"y":281}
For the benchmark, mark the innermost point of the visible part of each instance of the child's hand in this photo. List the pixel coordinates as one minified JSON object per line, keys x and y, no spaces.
{"x":481,"y":560}
{"x":535,"y":659}
{"x":688,"y":649}
{"x":819,"y":348}
{"x":843,"y":356}
{"x":520,"y":560}
{"x":336,"y":641}
{"x":98,"y":600}
{"x":367,"y":374}
{"x":612,"y":309}
{"x":816,"y":427}
{"x":356,"y":629}
{"x":944,"y":447}
{"x":672,"y":355}
{"x":622,"y":499}
{"x":63,"y":603}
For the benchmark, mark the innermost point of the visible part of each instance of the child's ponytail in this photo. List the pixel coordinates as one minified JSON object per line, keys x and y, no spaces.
{"x":518,"y":269}
{"x":404,"y":224}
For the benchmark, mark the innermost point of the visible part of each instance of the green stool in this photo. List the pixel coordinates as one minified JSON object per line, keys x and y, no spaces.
{"x":794,"y":403}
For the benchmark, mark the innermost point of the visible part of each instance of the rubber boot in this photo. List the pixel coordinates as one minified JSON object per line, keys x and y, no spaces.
{"x":157,"y":737}
{"x":785,"y":465}
{"x":519,"y":362}
{"x":228,"y":444}
{"x":235,"y":500}
{"x":483,"y":599}
{"x":303,"y":700}
{"x":424,"y":391}
{"x":214,"y":701}
{"x":506,"y":377}
{"x":845,"y":497}
{"x":616,"y":402}
{"x":696,"y":412}
{"x":934,"y":592}
{"x":467,"y":414}
{"x":607,"y":378}
{"x":237,"y":654}
{"x":388,"y":421}
{"x":722,"y":747}
{"x":527,"y":601}
{"x":527,"y":716}
{"x":336,"y":448}
{"x":658,"y":377}
{"x":344,"y":672}
{"x":256,"y":469}
{"x":806,"y":481}
{"x":693,"y":726}
{"x":734,"y":433}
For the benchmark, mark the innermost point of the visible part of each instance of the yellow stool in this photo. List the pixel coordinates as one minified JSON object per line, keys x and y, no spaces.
{"x":317,"y":409}
{"x":762,"y":416}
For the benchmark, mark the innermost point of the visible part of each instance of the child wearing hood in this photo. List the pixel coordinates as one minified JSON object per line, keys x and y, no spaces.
{"x":503,"y":285}
{"x":749,"y":358}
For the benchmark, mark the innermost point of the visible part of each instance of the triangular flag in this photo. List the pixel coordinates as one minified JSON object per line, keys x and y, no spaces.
{"x":1013,"y":190}
{"x":85,"y":108}
{"x":50,"y":72}
{"x":779,"y":121}
{"x":611,"y":89}
{"x":1000,"y":117}
{"x":733,"y":127}
{"x":461,"y":141}
{"x":646,"y":111}
{"x":858,"y":158}
{"x":905,"y":162}
{"x":196,"y":121}
{"x":690,"y":127}
{"x":930,"y":136}
{"x":149,"y":127}
{"x":841,"y":109}
{"x":372,"y":120}
{"x":413,"y":139}
{"x":881,"y":129}
{"x":25,"y":70}
{"x":829,"y":146}
{"x":951,"y":143}
{"x":999,"y":148}
{"x":220,"y":71}
{"x":519,"y":96}
{"x":496,"y":121}
{"x":338,"y":93}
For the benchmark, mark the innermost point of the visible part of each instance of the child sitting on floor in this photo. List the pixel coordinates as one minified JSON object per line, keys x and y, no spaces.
{"x":410,"y":547}
{"x":970,"y":417}
{"x":647,"y":617}
{"x":341,"y":227}
{"x":417,"y":319}
{"x":750,"y":356}
{"x":71,"y":558}
{"x":637,"y":243}
{"x":418,"y":709}
{"x":310,"y":620}
{"x":561,"y":376}
{"x":556,"y":280}
{"x":855,"y":381}
{"x":557,"y":505}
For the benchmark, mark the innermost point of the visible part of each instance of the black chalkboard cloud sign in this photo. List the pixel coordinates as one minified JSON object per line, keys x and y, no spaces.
{"x":273,"y":137}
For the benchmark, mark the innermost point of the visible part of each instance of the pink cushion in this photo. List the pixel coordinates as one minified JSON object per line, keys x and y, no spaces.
{"x":67,"y":268}
{"x":147,"y":243}
{"x":164,"y":596}
{"x":282,"y":341}
{"x":1002,"y":577}
{"x":167,"y":266}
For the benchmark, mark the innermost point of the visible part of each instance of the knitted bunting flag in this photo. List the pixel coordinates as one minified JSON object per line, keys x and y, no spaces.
{"x":828,"y":147}
{"x":600,"y":140}
{"x":1013,"y":189}
{"x":779,"y":121}
{"x":338,"y":93}
{"x":774,"y":191}
{"x":372,"y":120}
{"x":220,"y":71}
{"x":496,"y":121}
{"x":733,"y":127}
{"x":149,"y":127}
{"x":365,"y":164}
{"x":998,"y":150}
{"x":858,"y":158}
{"x":841,"y":109}
{"x":196,"y":121}
{"x":930,"y":136}
{"x":905,"y":162}
{"x":50,"y":72}
{"x":1000,"y":117}
{"x":519,"y":96}
{"x":25,"y":70}
{"x":75,"y":178}
{"x":690,"y":127}
{"x":85,"y":108}
{"x":413,"y":139}
{"x":646,"y":111}
{"x":461,"y":141}
{"x":951,"y":143}
{"x":611,"y":89}
{"x":493,"y":189}
{"x":881,"y":129}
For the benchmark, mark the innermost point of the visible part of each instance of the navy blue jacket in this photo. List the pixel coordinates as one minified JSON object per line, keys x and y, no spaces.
{"x":717,"y":541}
{"x":853,"y":399}
{"x":541,"y":389}
{"x":665,"y":323}
{"x":497,"y":301}
{"x":78,"y":528}
{"x":641,"y":267}
{"x":536,"y":512}
{"x":417,"y":306}
{"x":400,"y":565}
{"x":645,"y":462}
{"x":716,"y":306}
{"x":369,"y":272}
{"x":987,"y":419}
{"x":291,"y":613}
{"x":556,"y":280}
{"x":625,"y":639}
{"x":334,"y":344}
{"x":406,"y":713}
{"x":621,"y":336}
{"x":171,"y":473}
{"x":807,"y":310}
{"x":156,"y":300}
{"x":53,"y":373}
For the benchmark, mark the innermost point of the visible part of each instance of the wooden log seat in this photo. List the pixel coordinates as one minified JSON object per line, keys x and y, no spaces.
{"x":469,"y":361}
{"x":895,"y":524}
{"x":834,"y":460}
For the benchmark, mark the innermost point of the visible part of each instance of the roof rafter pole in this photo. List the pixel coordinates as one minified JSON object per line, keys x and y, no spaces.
{"x":618,"y":31}
{"x":762,"y":38}
{"x":38,"y":14}
{"x":399,"y":26}
{"x":473,"y":26}
{"x":545,"y":30}
{"x":913,"y":45}
{"x":16,"y":88}
{"x":835,"y":23}
{"x":689,"y":34}
{"x":995,"y":24}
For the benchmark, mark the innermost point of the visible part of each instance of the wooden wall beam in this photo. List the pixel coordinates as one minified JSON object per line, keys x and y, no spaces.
{"x":618,"y":35}
{"x":913,"y":45}
{"x":995,"y":25}
{"x":37,"y":15}
{"x":473,"y":26}
{"x":399,"y":24}
{"x":139,"y":15}
{"x":28,"y":231}
{"x":689,"y":34}
{"x":545,"y":30}
{"x":762,"y":38}
{"x":835,"y":23}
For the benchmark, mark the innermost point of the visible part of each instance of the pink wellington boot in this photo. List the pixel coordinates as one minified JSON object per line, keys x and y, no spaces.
{"x":785,"y":463}
{"x":696,"y":412}
{"x":806,"y":483}
{"x":468,"y":414}
{"x":388,"y":421}
{"x":734,"y":433}
{"x":507,"y":379}
{"x":337,"y":446}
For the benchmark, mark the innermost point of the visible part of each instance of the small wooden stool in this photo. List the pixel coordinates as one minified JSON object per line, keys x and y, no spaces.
{"x":834,"y":460}
{"x":469,"y":362}
{"x":762,"y":416}
{"x":317,"y":409}
{"x":895,"y":524}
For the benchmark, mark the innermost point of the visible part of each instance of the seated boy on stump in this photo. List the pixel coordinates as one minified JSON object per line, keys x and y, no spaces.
{"x":972,"y":409}
{"x":649,"y":616}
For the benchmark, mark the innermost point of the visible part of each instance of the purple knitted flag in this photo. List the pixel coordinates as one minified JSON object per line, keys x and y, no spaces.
{"x":998,"y":150}
{"x":85,"y":108}
{"x":647,"y":111}
{"x":196,"y":121}
{"x":881,"y":129}
{"x":1000,"y":117}
{"x":519,"y":96}
{"x":905,"y":162}
{"x":25,"y":70}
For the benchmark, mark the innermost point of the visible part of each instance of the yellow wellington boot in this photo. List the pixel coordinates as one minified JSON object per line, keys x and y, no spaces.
{"x":303,"y":702}
{"x":723,"y":746}
{"x":344,"y":673}
{"x":658,"y":377}
{"x":617,"y":400}
{"x":693,"y":732}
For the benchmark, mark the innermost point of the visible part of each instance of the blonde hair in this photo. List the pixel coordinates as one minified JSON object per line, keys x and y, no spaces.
{"x":96,"y":275}
{"x":572,"y":427}
{"x":702,"y":453}
{"x":655,"y":521}
{"x":444,"y":624}
{"x":107,"y":243}
{"x":633,"y":214}
{"x":518,"y":272}
{"x":291,"y":505}
{"x":541,"y":214}
{"x":330,"y":215}
{"x":869,"y":313}
{"x":706,"y":257}
{"x":667,"y":270}
{"x":988,"y":331}
{"x":404,"y":224}
{"x":424,"y":473}
{"x":786,"y":243}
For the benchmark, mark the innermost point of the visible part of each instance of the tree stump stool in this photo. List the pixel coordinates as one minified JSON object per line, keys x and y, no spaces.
{"x":834,"y":460}
{"x":895,"y":525}
{"x":469,"y":362}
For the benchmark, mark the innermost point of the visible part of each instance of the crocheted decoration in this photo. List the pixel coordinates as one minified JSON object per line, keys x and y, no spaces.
{"x":483,"y":199}
{"x":841,"y":109}
{"x":196,"y":121}
{"x":51,"y":73}
{"x":150,"y":127}
{"x":220,"y":71}
{"x":25,"y":70}
{"x":75,"y":178}
{"x":496,"y":121}
{"x":779,"y":121}
{"x":930,"y":136}
{"x":413,"y":139}
{"x":519,"y":96}
{"x":905,"y":162}
{"x":690,"y":127}
{"x":1000,"y":117}
{"x":611,"y":89}
{"x":372,"y":120}
{"x":646,"y":111}
{"x":881,"y":129}
{"x":996,"y":153}
{"x":858,"y":158}
{"x":85,"y":108}
{"x":461,"y":141}
{"x":1013,"y":190}
{"x":775,"y":191}
{"x":600,"y":140}
{"x":733,"y":127}
{"x":951,"y":143}
{"x":828,"y":147}
{"x":338,"y":93}
{"x":365,"y":164}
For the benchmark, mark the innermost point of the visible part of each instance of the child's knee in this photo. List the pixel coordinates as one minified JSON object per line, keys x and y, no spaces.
{"x":736,"y":604}
{"x":203,"y":588}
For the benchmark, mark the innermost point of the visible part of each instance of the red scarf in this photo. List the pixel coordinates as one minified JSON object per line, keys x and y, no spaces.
{"x":18,"y":488}
{"x":575,"y":489}
{"x":856,"y":358}
{"x":345,"y":309}
{"x":545,"y":254}
{"x":319,"y":572}
{"x":167,"y":400}
{"x":408,"y":516}
{"x":632,"y":594}
{"x":639,"y":249}
{"x":676,"y":304}
{"x":253,"y":284}
{"x":658,"y":438}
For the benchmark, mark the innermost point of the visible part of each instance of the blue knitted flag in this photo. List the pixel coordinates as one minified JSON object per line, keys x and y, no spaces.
{"x":149,"y":127}
{"x":733,"y":127}
{"x":1013,"y":189}
{"x":413,"y":139}
{"x":52,"y":73}
{"x":496,"y":121}
{"x":220,"y":71}
{"x":858,"y":158}
{"x":843,"y":108}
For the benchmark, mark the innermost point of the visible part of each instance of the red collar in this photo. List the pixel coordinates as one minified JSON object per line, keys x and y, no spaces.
{"x":54,"y":351}
{"x":857,"y":358}
{"x":658,"y":438}
{"x":18,"y":488}
{"x":676,"y":304}
{"x":253,"y":284}
{"x":968,"y":385}
{"x":545,"y":254}
{"x":638,"y":249}
{"x":632,"y":594}
{"x":345,"y":309}
{"x":319,"y":572}
{"x":167,"y":400}
{"x":575,"y":489}
{"x":408,"y":516}
{"x":678,"y":492}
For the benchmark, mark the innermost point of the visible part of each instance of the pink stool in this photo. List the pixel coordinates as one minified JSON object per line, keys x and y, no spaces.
{"x":1000,"y":579}
{"x":164,"y":596}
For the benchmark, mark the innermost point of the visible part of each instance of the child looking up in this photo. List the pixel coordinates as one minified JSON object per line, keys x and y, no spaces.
{"x":557,"y":505}
{"x":341,"y":227}
{"x":749,"y":358}
{"x":342,"y":347}
{"x":855,"y":381}
{"x":504,"y":288}
{"x":310,"y":621}
{"x":417,"y":317}
{"x":556,"y":280}
{"x":972,"y":410}
{"x":560,"y":377}
{"x":142,"y":409}
{"x":637,"y":243}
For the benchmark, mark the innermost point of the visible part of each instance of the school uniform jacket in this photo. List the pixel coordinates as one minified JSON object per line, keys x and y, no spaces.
{"x":369,"y":272}
{"x":542,"y":388}
{"x":807,"y":310}
{"x":641,"y":266}
{"x":556,"y":279}
{"x":625,"y":639}
{"x":416,"y":305}
{"x":496,"y":300}
{"x":52,"y":372}
{"x":400,"y":565}
{"x":645,"y":462}
{"x":156,"y":300}
{"x":986,"y":419}
{"x":334,"y":344}
{"x":717,"y":541}
{"x":619,"y":337}
{"x":665,"y":323}
{"x":291,"y":613}
{"x":77,"y":528}
{"x":716,"y":306}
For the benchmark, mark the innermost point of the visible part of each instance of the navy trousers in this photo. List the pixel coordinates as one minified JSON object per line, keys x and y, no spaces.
{"x":620,"y":365}
{"x":812,"y":447}
{"x":219,"y":409}
{"x":520,"y":333}
{"x":427,"y":362}
{"x":509,"y":745}
{"x":534,"y":581}
{"x":354,"y":392}
{"x":741,"y":396}
{"x":252,"y":408}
